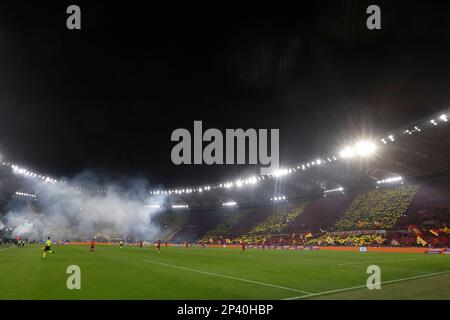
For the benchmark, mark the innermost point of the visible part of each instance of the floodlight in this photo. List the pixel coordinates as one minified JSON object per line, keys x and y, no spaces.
{"x":347,"y":152}
{"x":365,"y":148}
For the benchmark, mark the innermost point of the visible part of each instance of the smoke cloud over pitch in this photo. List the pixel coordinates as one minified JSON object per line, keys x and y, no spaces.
{"x":64,"y":212}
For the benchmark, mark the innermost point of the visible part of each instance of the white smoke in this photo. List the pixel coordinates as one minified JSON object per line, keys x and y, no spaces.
{"x":64,"y":212}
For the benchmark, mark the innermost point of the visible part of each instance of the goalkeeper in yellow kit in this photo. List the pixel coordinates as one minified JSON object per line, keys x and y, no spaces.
{"x":46,"y":248}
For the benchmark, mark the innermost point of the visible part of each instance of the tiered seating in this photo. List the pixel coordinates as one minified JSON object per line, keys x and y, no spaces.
{"x":197,"y":224}
{"x":223,"y":230}
{"x":348,"y":239}
{"x":278,"y":222}
{"x":380,"y":209}
{"x":322,"y":213}
{"x":430,"y":206}
{"x":169,"y":223}
{"x":254,"y":217}
{"x":348,"y":219}
{"x":274,"y":224}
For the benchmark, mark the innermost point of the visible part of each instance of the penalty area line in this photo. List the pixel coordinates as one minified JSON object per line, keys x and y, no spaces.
{"x":365,"y":286}
{"x":228,"y":277}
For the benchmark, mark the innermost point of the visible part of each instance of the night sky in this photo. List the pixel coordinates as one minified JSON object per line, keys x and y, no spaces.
{"x":107,"y":97}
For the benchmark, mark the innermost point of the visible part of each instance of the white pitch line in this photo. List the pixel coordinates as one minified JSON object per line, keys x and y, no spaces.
{"x":365,"y":286}
{"x":380,"y":261}
{"x":3,"y":249}
{"x":229,"y":277}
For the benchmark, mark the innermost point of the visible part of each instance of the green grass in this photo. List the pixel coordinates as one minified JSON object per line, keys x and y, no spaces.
{"x":195,"y":273}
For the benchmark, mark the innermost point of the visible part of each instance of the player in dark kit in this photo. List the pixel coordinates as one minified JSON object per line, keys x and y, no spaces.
{"x":243,"y":245}
{"x":92,"y":247}
{"x":158,"y":246}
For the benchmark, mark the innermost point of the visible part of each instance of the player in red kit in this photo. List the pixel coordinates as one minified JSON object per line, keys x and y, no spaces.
{"x":243,"y":245}
{"x":158,"y":246}
{"x":92,"y":247}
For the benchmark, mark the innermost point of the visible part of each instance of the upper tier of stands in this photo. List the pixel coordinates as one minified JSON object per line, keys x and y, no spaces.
{"x":394,"y":208}
{"x":377,"y":209}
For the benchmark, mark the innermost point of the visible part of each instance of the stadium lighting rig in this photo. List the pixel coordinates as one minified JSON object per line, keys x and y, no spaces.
{"x":229,"y":204}
{"x":278,"y":198}
{"x":180,"y":206}
{"x":24,"y":194}
{"x":154,"y":206}
{"x":390,"y":180}
{"x":441,"y":119}
{"x":335,"y":190}
{"x":362,"y":149}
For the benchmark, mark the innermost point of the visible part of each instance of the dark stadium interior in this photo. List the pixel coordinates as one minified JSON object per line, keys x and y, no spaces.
{"x":97,"y":107}
{"x":187,"y":157}
{"x":421,"y":158}
{"x":77,"y":101}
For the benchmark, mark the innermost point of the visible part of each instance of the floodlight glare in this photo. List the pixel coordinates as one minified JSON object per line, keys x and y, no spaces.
{"x":155,"y":206}
{"x":280,"y":173}
{"x":229,"y":204}
{"x":179,"y":206}
{"x":347,"y":152}
{"x":365,"y":148}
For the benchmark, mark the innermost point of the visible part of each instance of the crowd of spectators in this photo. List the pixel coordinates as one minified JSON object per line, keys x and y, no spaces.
{"x":169,"y":224}
{"x":276,"y":223}
{"x":430,"y":206}
{"x":378,"y":209}
{"x":225,"y":228}
{"x":348,"y":239}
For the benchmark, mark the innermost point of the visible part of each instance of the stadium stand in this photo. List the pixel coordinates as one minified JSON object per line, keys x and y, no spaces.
{"x":418,"y":208}
{"x":379,"y":209}
{"x":225,"y":228}
{"x":197,"y":223}
{"x":170,"y":223}
{"x":274,"y":224}
{"x":322,"y":213}
{"x":430,"y":206}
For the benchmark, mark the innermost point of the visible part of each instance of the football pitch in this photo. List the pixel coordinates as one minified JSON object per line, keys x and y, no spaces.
{"x":217,"y":273}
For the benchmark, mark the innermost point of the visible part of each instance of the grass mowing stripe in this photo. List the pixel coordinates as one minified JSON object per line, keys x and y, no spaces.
{"x":4,"y":249}
{"x":229,"y":277}
{"x":365,"y":286}
{"x":380,"y":261}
